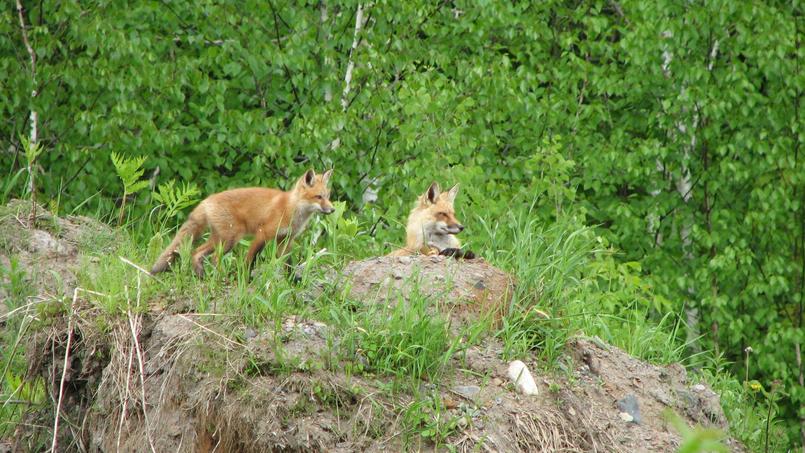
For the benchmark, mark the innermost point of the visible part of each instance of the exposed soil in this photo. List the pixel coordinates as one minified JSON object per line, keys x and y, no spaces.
{"x":209,"y":384}
{"x":461,"y":288}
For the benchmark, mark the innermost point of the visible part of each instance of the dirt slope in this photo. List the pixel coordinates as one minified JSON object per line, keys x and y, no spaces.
{"x":209,"y":384}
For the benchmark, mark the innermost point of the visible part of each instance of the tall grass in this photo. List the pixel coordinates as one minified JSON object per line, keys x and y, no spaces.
{"x":565,"y":271}
{"x":569,"y":282}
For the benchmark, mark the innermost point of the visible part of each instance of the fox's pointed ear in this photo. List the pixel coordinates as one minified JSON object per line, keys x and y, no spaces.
{"x":433,"y":192}
{"x":451,"y":194}
{"x":309,"y":177}
{"x":326,"y":176}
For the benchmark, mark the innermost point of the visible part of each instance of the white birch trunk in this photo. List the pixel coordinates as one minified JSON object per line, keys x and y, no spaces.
{"x":325,"y":31}
{"x":351,"y":60}
{"x":350,"y":67}
{"x":34,"y":116}
{"x":684,"y":187}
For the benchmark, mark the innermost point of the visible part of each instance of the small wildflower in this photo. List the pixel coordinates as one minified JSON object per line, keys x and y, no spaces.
{"x":755,"y":386}
{"x":748,"y":350}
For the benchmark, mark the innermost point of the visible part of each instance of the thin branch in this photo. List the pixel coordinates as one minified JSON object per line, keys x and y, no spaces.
{"x":136,"y":341}
{"x":64,"y":366}
{"x":279,"y":44}
{"x":125,"y":398}
{"x":139,"y":268}
{"x":207,"y":329}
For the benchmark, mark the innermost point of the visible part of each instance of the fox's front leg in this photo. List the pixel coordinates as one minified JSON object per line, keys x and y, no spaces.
{"x":258,"y":243}
{"x":255,"y":248}
{"x":458,"y":253}
{"x":284,"y":250}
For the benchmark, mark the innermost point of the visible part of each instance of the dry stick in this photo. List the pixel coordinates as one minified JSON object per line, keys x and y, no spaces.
{"x":140,"y":363}
{"x":64,"y":366}
{"x":139,"y":269}
{"x":20,"y":308}
{"x":34,"y":138}
{"x":142,"y":381}
{"x":206,"y":329}
{"x":125,"y":398}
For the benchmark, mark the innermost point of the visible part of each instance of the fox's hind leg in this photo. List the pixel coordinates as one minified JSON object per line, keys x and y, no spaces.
{"x":202,"y":252}
{"x":228,"y":246}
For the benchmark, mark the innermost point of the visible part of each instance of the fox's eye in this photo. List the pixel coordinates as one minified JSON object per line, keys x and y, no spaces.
{"x":319,"y":197}
{"x":442,"y":214}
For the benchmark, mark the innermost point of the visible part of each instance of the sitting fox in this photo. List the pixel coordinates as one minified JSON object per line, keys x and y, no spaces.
{"x":266,"y":214}
{"x":432,"y":226}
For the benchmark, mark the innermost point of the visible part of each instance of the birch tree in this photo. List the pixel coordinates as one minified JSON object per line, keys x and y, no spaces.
{"x":31,"y":145}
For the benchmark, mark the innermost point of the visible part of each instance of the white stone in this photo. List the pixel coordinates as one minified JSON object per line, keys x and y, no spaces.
{"x":522,"y":379}
{"x":625,"y":416}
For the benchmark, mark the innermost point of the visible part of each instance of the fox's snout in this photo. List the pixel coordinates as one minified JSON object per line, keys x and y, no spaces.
{"x":325,"y":207}
{"x":455,"y":228}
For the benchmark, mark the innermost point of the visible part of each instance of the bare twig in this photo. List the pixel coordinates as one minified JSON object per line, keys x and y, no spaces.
{"x":207,"y":329}
{"x":142,"y":271}
{"x":279,"y":44}
{"x":142,"y":379}
{"x":134,"y":335}
{"x":18,"y":309}
{"x":64,"y":366}
{"x":125,"y":398}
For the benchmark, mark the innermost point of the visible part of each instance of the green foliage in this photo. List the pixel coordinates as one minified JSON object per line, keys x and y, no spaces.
{"x":129,"y":170}
{"x":31,"y":151}
{"x":427,"y":418}
{"x":403,"y":340}
{"x":175,"y":198}
{"x":9,"y":185}
{"x":17,"y":395}
{"x":697,"y":439}
{"x":673,"y":129}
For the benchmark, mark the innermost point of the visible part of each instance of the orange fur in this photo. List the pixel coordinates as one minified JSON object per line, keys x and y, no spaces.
{"x":266,"y":214}
{"x":432,"y":224}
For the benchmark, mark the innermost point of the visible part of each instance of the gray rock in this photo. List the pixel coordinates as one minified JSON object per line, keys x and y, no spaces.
{"x":44,"y":243}
{"x":467,"y":391}
{"x":630,"y":407}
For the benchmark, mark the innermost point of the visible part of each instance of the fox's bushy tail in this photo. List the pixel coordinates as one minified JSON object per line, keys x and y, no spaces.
{"x":193,"y":227}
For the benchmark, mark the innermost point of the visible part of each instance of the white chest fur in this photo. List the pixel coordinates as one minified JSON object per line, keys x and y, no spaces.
{"x":298,"y":222}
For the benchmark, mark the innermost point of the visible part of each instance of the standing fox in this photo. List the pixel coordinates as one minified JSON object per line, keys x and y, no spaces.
{"x":266,"y":214}
{"x":432,"y":226}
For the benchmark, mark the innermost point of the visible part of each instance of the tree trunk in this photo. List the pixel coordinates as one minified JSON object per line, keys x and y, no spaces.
{"x":350,"y":67}
{"x":33,"y":139}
